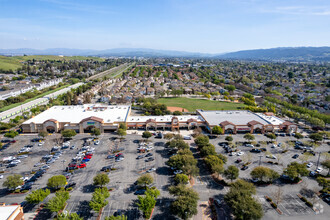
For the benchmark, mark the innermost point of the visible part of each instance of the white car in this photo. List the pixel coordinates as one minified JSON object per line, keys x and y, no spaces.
{"x":97,"y":142}
{"x":274,"y":157}
{"x":22,"y":156}
{"x":309,"y":165}
{"x":274,"y":145}
{"x":1,"y":176}
{"x":250,"y":145}
{"x":151,"y":170}
{"x":319,"y":170}
{"x":240,"y":153}
{"x":232,"y":154}
{"x":16,"y":161}
{"x":41,"y":143}
{"x":177,"y":172}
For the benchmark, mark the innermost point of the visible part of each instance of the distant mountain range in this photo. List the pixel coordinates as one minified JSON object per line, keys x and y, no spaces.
{"x":274,"y":54}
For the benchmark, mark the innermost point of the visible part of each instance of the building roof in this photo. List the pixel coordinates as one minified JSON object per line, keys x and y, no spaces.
{"x":165,"y":118}
{"x":77,"y":113}
{"x":7,"y":211}
{"x":238,"y":117}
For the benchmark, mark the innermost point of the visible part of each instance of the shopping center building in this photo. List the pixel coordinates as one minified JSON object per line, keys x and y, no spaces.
{"x":82,"y":118}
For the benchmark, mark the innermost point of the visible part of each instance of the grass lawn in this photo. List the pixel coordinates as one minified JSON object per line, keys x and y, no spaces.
{"x":193,"y":104}
{"x":31,"y":99}
{"x":12,"y":63}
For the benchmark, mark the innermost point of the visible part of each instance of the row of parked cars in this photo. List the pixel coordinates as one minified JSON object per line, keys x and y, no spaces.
{"x":83,"y":156}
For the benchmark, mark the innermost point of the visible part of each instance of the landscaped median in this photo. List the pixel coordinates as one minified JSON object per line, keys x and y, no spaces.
{"x":274,"y":205}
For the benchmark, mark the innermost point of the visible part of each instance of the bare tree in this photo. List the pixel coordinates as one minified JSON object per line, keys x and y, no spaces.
{"x":277,"y":194}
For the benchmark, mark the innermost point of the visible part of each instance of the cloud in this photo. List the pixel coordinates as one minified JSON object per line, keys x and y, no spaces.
{"x":299,"y":10}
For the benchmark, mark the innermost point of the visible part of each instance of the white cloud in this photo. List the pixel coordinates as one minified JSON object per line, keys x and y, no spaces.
{"x":299,"y":10}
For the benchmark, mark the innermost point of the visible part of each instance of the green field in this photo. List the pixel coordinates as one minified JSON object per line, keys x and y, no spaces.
{"x":193,"y":104}
{"x":12,"y":63}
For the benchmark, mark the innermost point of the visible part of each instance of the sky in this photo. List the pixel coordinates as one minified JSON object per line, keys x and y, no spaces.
{"x":207,"y":26}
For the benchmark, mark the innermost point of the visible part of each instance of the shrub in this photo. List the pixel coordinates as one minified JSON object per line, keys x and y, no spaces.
{"x":269,"y":199}
{"x":309,"y":204}
{"x":69,"y":189}
{"x":273,"y":205}
{"x":304,"y":199}
{"x":24,"y":191}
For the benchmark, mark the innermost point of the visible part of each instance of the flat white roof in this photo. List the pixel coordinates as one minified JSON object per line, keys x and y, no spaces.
{"x":238,"y":117}
{"x":164,"y":118}
{"x":7,"y":211}
{"x":76,"y":113}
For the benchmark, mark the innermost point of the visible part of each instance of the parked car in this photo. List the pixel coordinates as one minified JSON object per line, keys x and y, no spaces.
{"x":97,"y":142}
{"x":70,"y":185}
{"x":295,"y":156}
{"x":119,"y":159}
{"x":148,"y":155}
{"x":149,"y":159}
{"x":255,"y":151}
{"x":319,"y":170}
{"x":85,"y":160}
{"x":106,"y":168}
{"x":177,"y":172}
{"x":22,"y":156}
{"x":309,"y":165}
{"x":111,"y":156}
{"x":240,"y":153}
{"x":140,"y":157}
{"x":244,"y":167}
{"x":82,"y":165}
{"x":140,"y":192}
{"x":151,"y":170}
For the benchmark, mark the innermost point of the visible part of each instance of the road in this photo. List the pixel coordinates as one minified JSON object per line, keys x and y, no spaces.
{"x":11,"y":113}
{"x":120,"y":69}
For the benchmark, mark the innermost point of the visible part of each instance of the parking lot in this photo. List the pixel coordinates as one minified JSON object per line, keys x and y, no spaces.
{"x":122,"y":178}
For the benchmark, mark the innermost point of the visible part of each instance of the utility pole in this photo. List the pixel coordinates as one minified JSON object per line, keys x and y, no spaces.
{"x":260,"y":159}
{"x":318,"y":160}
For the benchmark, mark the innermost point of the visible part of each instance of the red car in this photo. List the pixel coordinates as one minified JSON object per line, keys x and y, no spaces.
{"x":72,"y":165}
{"x":83,"y":165}
{"x":87,"y":157}
{"x":118,"y":155}
{"x":13,"y":141}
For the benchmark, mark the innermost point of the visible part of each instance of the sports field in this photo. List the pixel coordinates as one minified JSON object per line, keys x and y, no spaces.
{"x":193,"y":104}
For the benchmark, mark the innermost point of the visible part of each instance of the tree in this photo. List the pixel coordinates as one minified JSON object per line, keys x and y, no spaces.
{"x":69,"y":133}
{"x":178,"y":144}
{"x":168,"y":136}
{"x":271,"y":136}
{"x":11,"y":134}
{"x":185,"y":205}
{"x":201,"y":140}
{"x":218,"y":169}
{"x":123,"y":126}
{"x":190,"y":170}
{"x":72,"y":216}
{"x":43,"y":134}
{"x":95,"y":132}
{"x":119,"y":217}
{"x":101,"y":179}
{"x":229,"y":138}
{"x":264,"y":172}
{"x":57,"y":203}
{"x":316,"y":137}
{"x":146,"y":135}
{"x":121,"y":132}
{"x":37,"y":196}
{"x":231,"y":172}
{"x":323,"y":182}
{"x":99,"y":199}
{"x":298,"y":136}
{"x":145,"y":180}
{"x":295,"y":170}
{"x":180,"y":161}
{"x":177,"y":113}
{"x":147,"y":203}
{"x":13,"y":181}
{"x":278,"y":195}
{"x":56,"y":182}
{"x":208,"y":149}
{"x":217,"y":130}
{"x":212,"y":160}
{"x":249,"y":137}
{"x":243,"y":191}
{"x":181,"y":179}
{"x":326,"y":164}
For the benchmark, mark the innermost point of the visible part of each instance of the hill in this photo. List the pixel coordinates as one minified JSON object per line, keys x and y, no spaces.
{"x":282,"y":54}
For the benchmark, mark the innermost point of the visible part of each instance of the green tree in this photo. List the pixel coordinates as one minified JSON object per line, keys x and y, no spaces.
{"x":231,"y":172}
{"x":69,"y":133}
{"x":271,"y":136}
{"x":43,"y":134}
{"x":212,"y":160}
{"x":218,"y":169}
{"x":208,"y":149}
{"x":295,"y":170}
{"x":120,"y":217}
{"x":11,"y":134}
{"x":37,"y":196}
{"x":243,"y":191}
{"x":147,"y":203}
{"x":180,"y":161}
{"x":95,"y":132}
{"x":146,"y":135}
{"x":57,"y":203}
{"x":177,"y":113}
{"x":101,"y":179}
{"x":178,"y":144}
{"x":181,"y":179}
{"x":72,"y":216}
{"x":56,"y":182}
{"x":201,"y":140}
{"x":298,"y":136}
{"x":249,"y":137}
{"x":99,"y":199}
{"x":145,"y":180}
{"x":217,"y":130}
{"x":316,"y":137}
{"x":13,"y":181}
{"x":229,"y":138}
{"x":121,"y":132}
{"x":123,"y":126}
{"x":264,"y":172}
{"x":168,"y":136}
{"x":323,"y":182}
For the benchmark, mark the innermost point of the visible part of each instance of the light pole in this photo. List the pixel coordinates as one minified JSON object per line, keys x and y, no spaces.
{"x":260,"y":156}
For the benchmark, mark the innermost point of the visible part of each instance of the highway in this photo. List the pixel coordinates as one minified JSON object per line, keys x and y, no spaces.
{"x":11,"y":113}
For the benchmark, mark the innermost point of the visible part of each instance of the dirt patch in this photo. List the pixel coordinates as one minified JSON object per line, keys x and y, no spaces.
{"x":172,"y":109}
